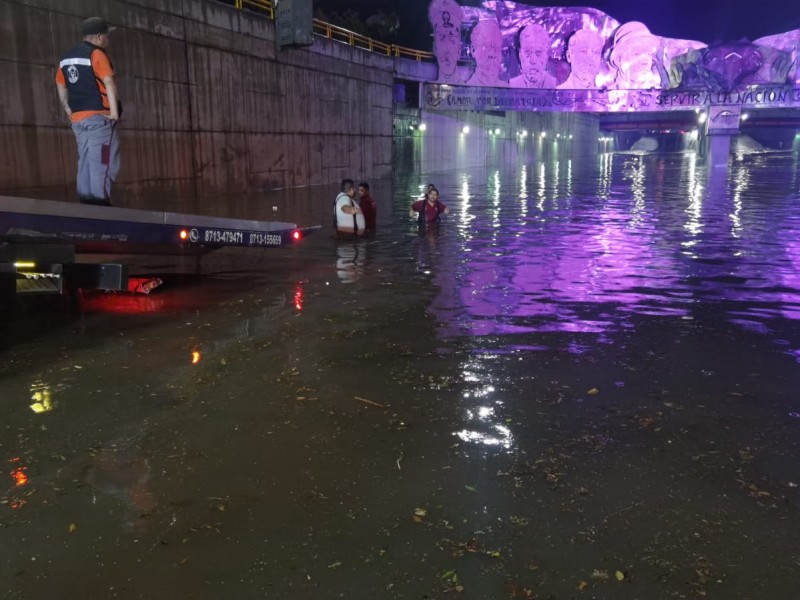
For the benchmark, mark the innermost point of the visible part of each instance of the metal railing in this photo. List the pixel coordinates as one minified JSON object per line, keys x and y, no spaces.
{"x":340,"y":34}
{"x":351,"y":38}
{"x":266,"y":5}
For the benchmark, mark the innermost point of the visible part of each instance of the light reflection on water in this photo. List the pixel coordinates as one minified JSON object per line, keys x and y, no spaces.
{"x":655,"y":236}
{"x":590,"y":248}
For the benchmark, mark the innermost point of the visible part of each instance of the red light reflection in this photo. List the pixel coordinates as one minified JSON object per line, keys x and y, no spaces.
{"x":298,"y":297}
{"x":296,"y":235}
{"x":19,"y":476}
{"x":124,"y":303}
{"x":196,"y":357}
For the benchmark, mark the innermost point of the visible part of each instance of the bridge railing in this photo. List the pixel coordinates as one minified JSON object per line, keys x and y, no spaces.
{"x":266,"y":6}
{"x":340,"y":34}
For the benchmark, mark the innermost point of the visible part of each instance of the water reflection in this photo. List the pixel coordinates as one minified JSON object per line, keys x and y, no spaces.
{"x":539,"y":248}
{"x":484,"y":425}
{"x":349,"y":262}
{"x":565,"y":256}
{"x":122,"y":472}
{"x":42,"y":398}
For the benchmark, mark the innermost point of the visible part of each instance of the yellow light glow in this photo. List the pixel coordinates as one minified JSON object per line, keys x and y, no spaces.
{"x":24,"y":265}
{"x":42,"y":401}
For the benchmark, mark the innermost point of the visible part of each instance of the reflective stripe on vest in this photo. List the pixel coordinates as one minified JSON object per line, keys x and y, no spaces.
{"x":79,"y":76}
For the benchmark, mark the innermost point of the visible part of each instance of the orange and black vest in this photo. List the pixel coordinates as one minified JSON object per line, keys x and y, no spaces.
{"x":85,"y":91}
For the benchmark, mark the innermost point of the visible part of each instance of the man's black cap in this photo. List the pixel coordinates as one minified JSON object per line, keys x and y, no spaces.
{"x":95,"y":26}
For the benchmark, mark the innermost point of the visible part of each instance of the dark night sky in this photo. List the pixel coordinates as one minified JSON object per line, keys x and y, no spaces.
{"x":704,"y":20}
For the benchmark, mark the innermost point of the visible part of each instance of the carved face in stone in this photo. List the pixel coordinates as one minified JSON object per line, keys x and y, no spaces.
{"x":534,"y":51}
{"x":638,"y":63}
{"x":487,"y":50}
{"x":445,"y":17}
{"x":632,"y":55}
{"x":584,"y":55}
{"x":447,"y":46}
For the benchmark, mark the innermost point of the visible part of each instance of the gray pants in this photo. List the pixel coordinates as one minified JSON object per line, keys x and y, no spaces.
{"x":98,"y":158}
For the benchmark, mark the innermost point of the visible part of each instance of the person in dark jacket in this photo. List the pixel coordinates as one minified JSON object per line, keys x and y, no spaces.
{"x":88,"y":92}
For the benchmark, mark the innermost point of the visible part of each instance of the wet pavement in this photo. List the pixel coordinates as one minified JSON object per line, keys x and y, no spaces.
{"x":582,"y":384}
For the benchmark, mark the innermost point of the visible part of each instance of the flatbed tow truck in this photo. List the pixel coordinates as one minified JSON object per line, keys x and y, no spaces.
{"x":41,"y":242}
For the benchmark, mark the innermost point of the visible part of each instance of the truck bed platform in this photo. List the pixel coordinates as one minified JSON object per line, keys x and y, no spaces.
{"x":103,"y":229}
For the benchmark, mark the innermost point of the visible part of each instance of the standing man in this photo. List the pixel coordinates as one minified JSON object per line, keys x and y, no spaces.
{"x":88,"y":93}
{"x":368,"y":207}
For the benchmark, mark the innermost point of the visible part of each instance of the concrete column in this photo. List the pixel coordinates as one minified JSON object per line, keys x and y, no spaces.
{"x":719,"y":150}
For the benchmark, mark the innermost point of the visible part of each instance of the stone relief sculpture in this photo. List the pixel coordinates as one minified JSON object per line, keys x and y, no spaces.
{"x":584,"y":48}
{"x":486,"y":49}
{"x":445,"y":18}
{"x":632,"y":56}
{"x":585,"y":56}
{"x":725,"y":66}
{"x":789,"y":44}
{"x":534,"y":54}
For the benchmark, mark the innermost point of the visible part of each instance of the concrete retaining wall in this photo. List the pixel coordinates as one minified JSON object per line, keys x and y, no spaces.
{"x":211,"y":106}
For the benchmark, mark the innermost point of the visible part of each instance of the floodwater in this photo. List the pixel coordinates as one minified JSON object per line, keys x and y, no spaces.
{"x":581,"y":384}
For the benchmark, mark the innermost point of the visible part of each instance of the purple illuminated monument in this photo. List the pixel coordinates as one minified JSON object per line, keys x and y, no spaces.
{"x":534,"y":53}
{"x":487,"y":50}
{"x":445,"y":18}
{"x":585,"y":58}
{"x":508,"y":44}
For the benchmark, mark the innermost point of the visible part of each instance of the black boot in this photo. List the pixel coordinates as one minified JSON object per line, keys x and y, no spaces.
{"x":95,"y":201}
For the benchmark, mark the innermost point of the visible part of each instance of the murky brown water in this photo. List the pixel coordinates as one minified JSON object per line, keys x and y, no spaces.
{"x":580,"y":385}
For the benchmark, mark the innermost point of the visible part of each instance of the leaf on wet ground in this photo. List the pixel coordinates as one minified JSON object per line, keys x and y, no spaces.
{"x":600,"y":575}
{"x":450,"y":579}
{"x":73,"y":528}
{"x":582,"y":585}
{"x":518,"y":521}
{"x":593,"y":391}
{"x":619,"y":575}
{"x":471,"y":488}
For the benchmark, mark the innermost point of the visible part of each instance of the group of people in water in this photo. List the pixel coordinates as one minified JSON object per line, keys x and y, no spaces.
{"x":355,"y":209}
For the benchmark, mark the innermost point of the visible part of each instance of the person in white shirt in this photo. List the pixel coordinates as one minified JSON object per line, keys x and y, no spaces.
{"x":347,"y":214}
